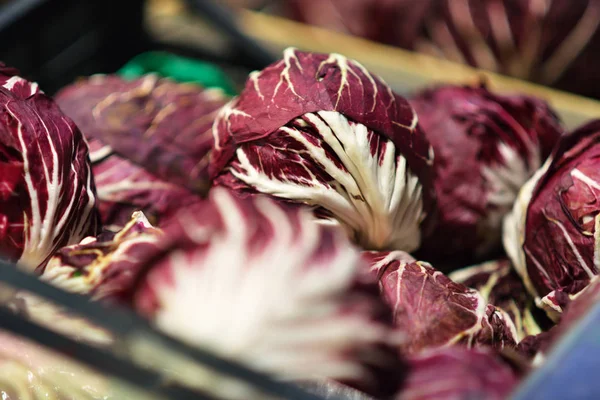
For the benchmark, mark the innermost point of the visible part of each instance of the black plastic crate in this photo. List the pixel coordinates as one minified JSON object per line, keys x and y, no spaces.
{"x":54,"y":41}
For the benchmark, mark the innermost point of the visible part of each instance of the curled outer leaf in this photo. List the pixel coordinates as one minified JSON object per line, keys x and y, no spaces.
{"x":262,"y":283}
{"x":103,"y":266}
{"x":47,"y":193}
{"x":487,"y":146}
{"x":500,"y":285}
{"x":552,"y":234}
{"x":434,"y":311}
{"x":319,"y":129}
{"x":163,"y":126}
{"x":458,"y":373}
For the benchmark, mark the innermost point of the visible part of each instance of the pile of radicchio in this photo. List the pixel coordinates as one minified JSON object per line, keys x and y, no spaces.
{"x":275,"y":229}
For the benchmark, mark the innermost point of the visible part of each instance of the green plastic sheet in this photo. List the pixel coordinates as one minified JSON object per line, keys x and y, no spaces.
{"x":181,"y":69}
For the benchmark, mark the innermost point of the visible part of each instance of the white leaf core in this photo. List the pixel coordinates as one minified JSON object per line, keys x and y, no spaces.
{"x":277,"y":308}
{"x":375,"y":196}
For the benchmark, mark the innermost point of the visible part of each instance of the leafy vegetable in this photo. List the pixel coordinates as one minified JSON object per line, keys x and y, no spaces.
{"x":262,"y":283}
{"x":432,"y":311}
{"x":551,"y":234}
{"x":103,"y":266}
{"x":499,"y":284}
{"x":458,"y":373}
{"x":47,"y":194}
{"x":151,"y":139}
{"x":486,"y":147}
{"x":319,"y":129}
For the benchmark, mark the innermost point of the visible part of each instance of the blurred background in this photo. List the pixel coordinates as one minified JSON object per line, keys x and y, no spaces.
{"x":410,"y":43}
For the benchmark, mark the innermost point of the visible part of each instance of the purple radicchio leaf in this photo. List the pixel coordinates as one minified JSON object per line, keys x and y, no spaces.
{"x":552,"y":234}
{"x":486,"y":147}
{"x":262,"y":283}
{"x":433,"y":311}
{"x":124,"y":187}
{"x":500,"y":285}
{"x":319,"y":129}
{"x":550,"y":42}
{"x":162,"y":126}
{"x":104,"y":266}
{"x":47,"y":193}
{"x":458,"y":373}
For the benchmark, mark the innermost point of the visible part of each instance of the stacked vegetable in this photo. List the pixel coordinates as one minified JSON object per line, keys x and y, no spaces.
{"x":275,"y":227}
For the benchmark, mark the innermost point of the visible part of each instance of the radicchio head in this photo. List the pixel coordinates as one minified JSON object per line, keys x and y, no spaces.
{"x":319,"y":129}
{"x":262,"y":283}
{"x":47,"y":194}
{"x":486,"y":147}
{"x":432,"y":311}
{"x":552,"y":234}
{"x":150,"y":141}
